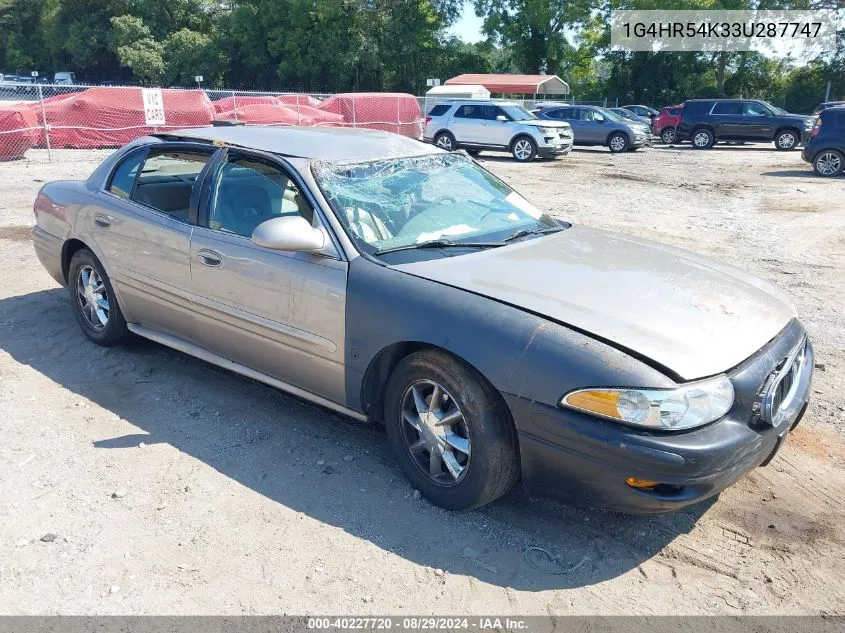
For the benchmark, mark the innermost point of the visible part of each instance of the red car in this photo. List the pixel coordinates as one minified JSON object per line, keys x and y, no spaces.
{"x":665,"y":123}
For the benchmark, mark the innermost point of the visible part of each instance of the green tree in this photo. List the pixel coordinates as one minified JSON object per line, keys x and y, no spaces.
{"x":137,"y":50}
{"x":188,"y":53}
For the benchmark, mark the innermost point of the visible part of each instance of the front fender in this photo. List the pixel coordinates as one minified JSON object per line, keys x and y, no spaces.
{"x":520,"y":353}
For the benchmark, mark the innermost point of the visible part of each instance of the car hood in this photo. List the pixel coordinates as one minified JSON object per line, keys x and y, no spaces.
{"x":694,"y":316}
{"x":797,"y":118}
{"x":545,"y":123}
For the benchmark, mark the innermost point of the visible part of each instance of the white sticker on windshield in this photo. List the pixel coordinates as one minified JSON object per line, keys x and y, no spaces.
{"x":458,"y":229}
{"x":523,"y":205}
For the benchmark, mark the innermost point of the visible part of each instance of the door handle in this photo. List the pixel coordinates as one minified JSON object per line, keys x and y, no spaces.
{"x":102,"y":221}
{"x":209,"y":258}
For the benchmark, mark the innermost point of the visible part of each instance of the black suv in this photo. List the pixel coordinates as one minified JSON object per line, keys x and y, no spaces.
{"x":825,"y":150}
{"x":705,"y":121}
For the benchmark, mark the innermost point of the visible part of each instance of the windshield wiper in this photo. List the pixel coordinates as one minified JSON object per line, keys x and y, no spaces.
{"x":527,"y":232}
{"x":439,"y":243}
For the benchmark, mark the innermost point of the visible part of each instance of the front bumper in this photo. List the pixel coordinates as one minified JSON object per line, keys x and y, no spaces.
{"x":585,"y":461}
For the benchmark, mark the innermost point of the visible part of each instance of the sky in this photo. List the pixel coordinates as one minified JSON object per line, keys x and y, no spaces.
{"x":468,"y":26}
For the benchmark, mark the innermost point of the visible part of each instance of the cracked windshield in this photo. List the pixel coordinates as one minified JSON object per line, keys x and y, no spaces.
{"x":406,"y":203}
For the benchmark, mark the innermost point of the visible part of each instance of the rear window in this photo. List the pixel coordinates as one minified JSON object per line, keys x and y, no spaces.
{"x":673,"y":111}
{"x":439,"y":110}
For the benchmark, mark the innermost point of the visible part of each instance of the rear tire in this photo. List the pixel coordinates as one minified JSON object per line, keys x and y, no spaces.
{"x":523,"y":149}
{"x":618,"y":143}
{"x":445,"y":140}
{"x":787,"y":140}
{"x":93,"y":300}
{"x":485,"y":466}
{"x":668,"y":135}
{"x":829,"y":163}
{"x":702,"y":138}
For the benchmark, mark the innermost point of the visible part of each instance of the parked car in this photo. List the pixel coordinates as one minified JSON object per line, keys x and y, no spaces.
{"x":625,"y":113}
{"x":478,"y":125}
{"x":64,"y":77}
{"x":827,"y":104}
{"x":665,"y":123}
{"x":593,"y":125}
{"x":705,"y":121}
{"x":396,"y":283}
{"x":643,"y":111}
{"x":825,"y":150}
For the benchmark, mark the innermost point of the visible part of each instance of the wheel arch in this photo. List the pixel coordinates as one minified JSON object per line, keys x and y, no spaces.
{"x":788,"y":128}
{"x":381,"y":366}
{"x":616,"y":131}
{"x":69,"y":249}
{"x":518,"y":136}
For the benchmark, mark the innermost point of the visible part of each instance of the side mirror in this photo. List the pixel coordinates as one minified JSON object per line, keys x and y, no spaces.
{"x":290,"y":233}
{"x":502,"y":118}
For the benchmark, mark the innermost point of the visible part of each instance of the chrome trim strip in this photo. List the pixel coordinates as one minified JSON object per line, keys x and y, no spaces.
{"x":225,"y":363}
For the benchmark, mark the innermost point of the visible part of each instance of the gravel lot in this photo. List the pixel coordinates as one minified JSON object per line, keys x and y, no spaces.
{"x":139,"y":480}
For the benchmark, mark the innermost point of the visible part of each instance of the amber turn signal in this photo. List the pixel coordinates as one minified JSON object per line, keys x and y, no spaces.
{"x":636,"y":482}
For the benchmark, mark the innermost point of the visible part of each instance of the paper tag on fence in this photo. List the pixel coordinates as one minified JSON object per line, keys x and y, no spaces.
{"x":153,"y":106}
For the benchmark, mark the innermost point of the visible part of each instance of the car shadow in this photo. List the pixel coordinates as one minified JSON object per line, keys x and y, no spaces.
{"x":298,"y":455}
{"x":791,"y":173}
{"x":724,"y":147}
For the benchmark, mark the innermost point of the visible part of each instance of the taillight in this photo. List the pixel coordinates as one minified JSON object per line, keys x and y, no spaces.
{"x":427,"y":119}
{"x":817,"y":127}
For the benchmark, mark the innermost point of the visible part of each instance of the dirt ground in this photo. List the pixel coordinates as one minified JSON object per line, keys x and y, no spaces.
{"x":139,"y":480}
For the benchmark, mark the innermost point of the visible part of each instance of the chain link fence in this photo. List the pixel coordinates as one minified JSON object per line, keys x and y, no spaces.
{"x":42,"y":121}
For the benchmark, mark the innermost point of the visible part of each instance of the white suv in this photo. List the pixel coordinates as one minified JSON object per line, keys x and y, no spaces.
{"x":477,"y":125}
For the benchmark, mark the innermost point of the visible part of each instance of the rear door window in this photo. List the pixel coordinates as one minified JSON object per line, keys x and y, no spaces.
{"x":727,"y":107}
{"x":470,"y":112}
{"x":123,"y":178}
{"x":167,"y":180}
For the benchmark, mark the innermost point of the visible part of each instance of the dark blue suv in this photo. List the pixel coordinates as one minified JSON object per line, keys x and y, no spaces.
{"x":825,"y":150}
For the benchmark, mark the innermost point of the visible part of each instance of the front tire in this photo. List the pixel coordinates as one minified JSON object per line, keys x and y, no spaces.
{"x":829,"y":163}
{"x":787,"y":140}
{"x":450,"y":430}
{"x":618,"y":143}
{"x":445,"y":140}
{"x":702,"y":138}
{"x":668,"y":135}
{"x":93,"y":300}
{"x":524,"y":149}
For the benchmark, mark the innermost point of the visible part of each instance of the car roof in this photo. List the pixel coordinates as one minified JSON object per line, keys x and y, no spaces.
{"x":324,"y":143}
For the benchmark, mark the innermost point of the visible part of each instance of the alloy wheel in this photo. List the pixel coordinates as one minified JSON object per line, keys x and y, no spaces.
{"x":786,"y":141}
{"x":522,"y":149}
{"x":617,"y":143}
{"x":702,"y":139}
{"x":828,"y":163}
{"x":668,"y":135}
{"x":92,"y":297}
{"x":435,"y":432}
{"x":444,"y":142}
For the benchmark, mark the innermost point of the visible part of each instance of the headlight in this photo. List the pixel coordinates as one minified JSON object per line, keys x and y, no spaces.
{"x":669,"y":409}
{"x":548,"y":130}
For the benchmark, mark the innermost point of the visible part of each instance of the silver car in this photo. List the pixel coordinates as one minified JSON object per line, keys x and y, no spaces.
{"x":406,"y":286}
{"x":477,"y":125}
{"x":593,"y":125}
